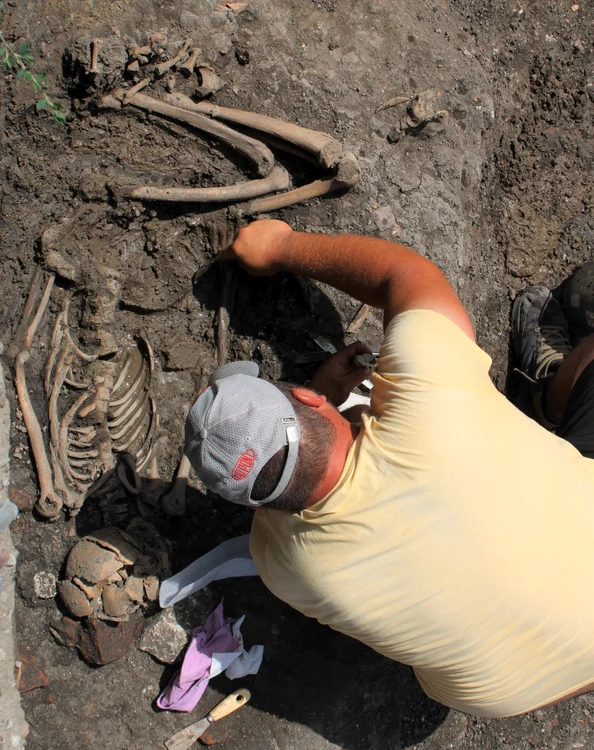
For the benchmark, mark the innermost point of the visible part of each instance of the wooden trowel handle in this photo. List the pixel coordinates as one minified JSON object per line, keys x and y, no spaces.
{"x":229,"y":704}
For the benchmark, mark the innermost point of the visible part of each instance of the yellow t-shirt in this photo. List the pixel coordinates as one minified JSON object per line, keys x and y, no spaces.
{"x":459,"y":538}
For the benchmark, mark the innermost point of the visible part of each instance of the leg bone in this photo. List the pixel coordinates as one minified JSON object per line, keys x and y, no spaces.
{"x":174,"y":502}
{"x":278,"y":179}
{"x":49,"y":503}
{"x":326,"y":149}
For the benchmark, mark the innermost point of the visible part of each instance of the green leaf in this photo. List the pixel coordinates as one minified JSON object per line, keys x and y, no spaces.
{"x":40,"y":78}
{"x":60,"y":118}
{"x":21,"y":73}
{"x":41,"y":104}
{"x":24,"y":49}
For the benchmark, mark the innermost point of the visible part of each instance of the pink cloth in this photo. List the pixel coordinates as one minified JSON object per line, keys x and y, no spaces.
{"x":188,"y":685}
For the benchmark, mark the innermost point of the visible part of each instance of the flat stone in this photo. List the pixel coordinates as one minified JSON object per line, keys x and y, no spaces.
{"x":164,"y":638}
{"x":44,"y":584}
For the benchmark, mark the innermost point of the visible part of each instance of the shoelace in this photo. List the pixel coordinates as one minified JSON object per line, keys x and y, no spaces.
{"x":553,"y":346}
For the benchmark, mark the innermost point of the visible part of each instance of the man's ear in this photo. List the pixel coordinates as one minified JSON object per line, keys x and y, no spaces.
{"x":309,"y":398}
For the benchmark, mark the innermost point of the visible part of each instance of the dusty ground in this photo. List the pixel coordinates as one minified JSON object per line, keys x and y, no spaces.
{"x":501,"y":199}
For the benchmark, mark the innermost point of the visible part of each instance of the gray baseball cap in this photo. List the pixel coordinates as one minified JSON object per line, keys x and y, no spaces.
{"x":234,"y":427}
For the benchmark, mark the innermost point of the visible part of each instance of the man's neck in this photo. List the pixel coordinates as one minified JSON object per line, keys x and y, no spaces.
{"x":346,"y":433}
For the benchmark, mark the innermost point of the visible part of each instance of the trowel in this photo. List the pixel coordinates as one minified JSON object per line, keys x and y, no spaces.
{"x":186,"y":737}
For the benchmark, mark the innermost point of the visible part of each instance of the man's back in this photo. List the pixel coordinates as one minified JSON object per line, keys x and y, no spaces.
{"x":458,"y":539}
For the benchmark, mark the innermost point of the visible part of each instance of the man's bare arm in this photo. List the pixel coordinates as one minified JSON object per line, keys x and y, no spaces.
{"x":382,"y":274}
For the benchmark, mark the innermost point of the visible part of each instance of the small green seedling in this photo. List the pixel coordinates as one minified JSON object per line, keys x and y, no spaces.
{"x":21,"y":58}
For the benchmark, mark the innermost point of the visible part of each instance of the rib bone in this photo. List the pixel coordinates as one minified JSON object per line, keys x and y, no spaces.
{"x":326,"y":149}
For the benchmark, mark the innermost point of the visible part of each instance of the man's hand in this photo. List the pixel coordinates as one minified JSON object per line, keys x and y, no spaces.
{"x":337,"y":377}
{"x":258,"y":247}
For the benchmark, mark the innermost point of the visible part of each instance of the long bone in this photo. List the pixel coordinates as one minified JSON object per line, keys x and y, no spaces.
{"x":278,"y":179}
{"x":49,"y":503}
{"x":253,"y":150}
{"x":163,"y":67}
{"x":326,"y":149}
{"x":347,"y":175}
{"x":184,"y":102}
{"x":174,"y":502}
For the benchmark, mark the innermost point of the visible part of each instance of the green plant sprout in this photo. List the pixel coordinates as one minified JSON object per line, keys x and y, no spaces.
{"x":20,"y":59}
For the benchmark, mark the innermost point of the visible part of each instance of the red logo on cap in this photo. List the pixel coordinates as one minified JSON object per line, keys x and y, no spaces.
{"x":245,"y":463}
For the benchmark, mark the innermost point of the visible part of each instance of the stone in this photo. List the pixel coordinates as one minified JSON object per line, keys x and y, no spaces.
{"x":44,"y":584}
{"x":164,"y":638}
{"x":29,"y":674}
{"x":23,"y":500}
{"x":384,"y":218}
{"x":98,"y":642}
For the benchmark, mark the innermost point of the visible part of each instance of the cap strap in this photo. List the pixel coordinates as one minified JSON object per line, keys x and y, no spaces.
{"x":293,"y":443}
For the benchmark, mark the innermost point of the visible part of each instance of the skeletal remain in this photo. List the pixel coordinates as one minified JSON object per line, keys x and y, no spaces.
{"x":49,"y":503}
{"x":140,"y":54}
{"x":32,"y":329}
{"x":133,"y":67}
{"x":278,"y":179}
{"x":179,"y":107}
{"x":359,"y":318}
{"x":187,"y":68}
{"x":313,"y":189}
{"x":17,"y":340}
{"x":128,"y":94}
{"x":221,"y":236}
{"x":326,"y":149}
{"x":174,"y":502}
{"x":209,"y":81}
{"x":394,"y":102}
{"x":163,"y":67}
{"x":96,"y":45}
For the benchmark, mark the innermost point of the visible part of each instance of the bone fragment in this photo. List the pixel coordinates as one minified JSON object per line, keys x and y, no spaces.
{"x":96,"y":45}
{"x":163,"y":67}
{"x":360,"y":316}
{"x":153,"y":470}
{"x":17,"y":340}
{"x":72,"y":500}
{"x":137,"y":52}
{"x":278,"y":179}
{"x":187,"y":68}
{"x":394,"y":102}
{"x":127,"y":462}
{"x":174,"y":502}
{"x":183,"y":109}
{"x":127,"y":94}
{"x":49,"y":503}
{"x":209,"y":81}
{"x":275,"y":142}
{"x":225,"y":309}
{"x":133,"y":67}
{"x":32,"y":329}
{"x":347,"y":175}
{"x":326,"y":149}
{"x":282,"y":200}
{"x":54,"y":421}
